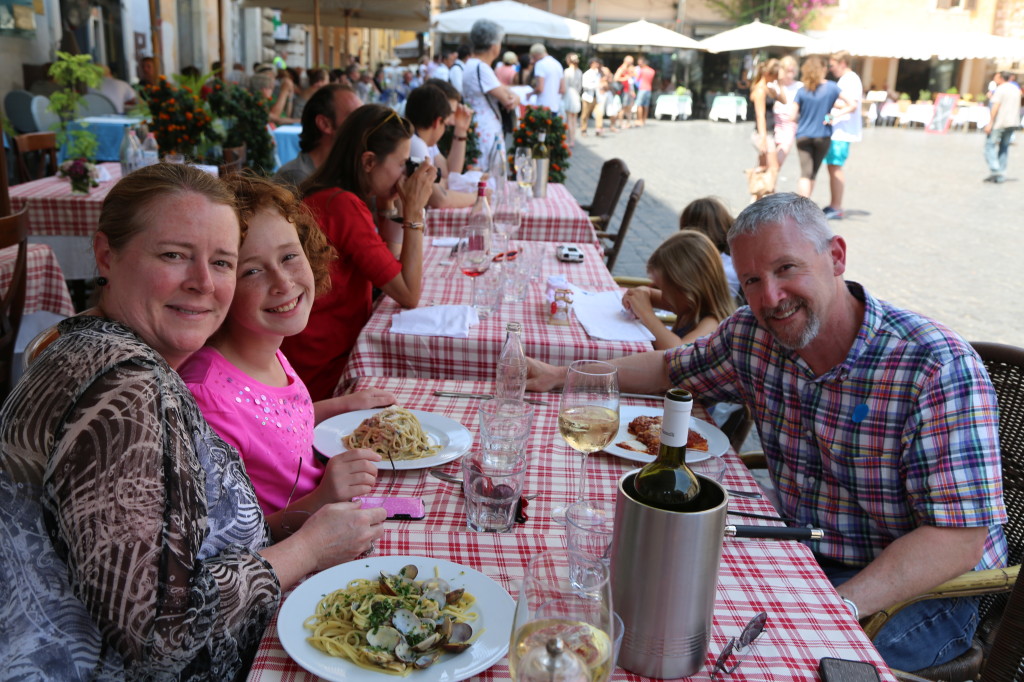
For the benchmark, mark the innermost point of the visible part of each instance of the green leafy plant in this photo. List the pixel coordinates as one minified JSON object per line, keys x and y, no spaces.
{"x":74,"y":73}
{"x":952,"y":91}
{"x":245,"y":117}
{"x":904,"y":96}
{"x":924,"y":96}
{"x":795,"y":15}
{"x":179,"y":119}
{"x":532,"y":123}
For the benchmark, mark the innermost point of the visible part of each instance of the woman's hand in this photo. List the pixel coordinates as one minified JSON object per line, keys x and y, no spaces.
{"x":463,"y":117}
{"x":414,"y":191}
{"x":349,"y":474}
{"x":638,"y":301}
{"x":341,"y":532}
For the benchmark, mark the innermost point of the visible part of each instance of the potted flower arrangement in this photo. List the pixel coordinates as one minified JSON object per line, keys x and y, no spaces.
{"x":74,"y":73}
{"x":244,"y":117}
{"x":535,"y":120}
{"x":179,"y":119}
{"x":83,"y":175}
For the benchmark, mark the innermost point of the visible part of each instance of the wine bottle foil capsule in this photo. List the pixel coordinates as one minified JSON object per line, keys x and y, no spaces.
{"x":664,"y":575}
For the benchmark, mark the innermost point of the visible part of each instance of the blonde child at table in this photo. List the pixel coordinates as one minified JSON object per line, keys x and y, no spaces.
{"x":688,"y":280}
{"x":244,"y":385}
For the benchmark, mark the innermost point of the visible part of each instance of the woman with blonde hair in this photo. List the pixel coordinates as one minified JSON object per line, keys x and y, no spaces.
{"x":688,"y":280}
{"x":710,"y":217}
{"x":763,"y":93}
{"x":785,"y":111}
{"x":571,"y":102}
{"x":814,"y":122}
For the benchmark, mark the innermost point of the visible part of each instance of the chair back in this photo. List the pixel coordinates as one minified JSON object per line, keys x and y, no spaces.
{"x":234,"y":154}
{"x":45,"y":120}
{"x":96,"y":104}
{"x":13,"y":232}
{"x":613,"y":178}
{"x":1005,"y":661}
{"x":18,"y":107}
{"x":226,"y":170}
{"x":612,"y":252}
{"x":44,"y":147}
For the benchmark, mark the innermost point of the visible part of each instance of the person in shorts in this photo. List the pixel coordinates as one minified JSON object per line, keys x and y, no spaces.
{"x":814,"y":121}
{"x":846,"y":128}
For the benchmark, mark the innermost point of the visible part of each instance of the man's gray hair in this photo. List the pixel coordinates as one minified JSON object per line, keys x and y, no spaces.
{"x":484,"y":34}
{"x":538,"y":50}
{"x":776,"y":209}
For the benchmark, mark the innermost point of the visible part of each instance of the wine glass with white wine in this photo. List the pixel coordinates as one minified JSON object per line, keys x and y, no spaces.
{"x":562,"y":631}
{"x":588,"y":415}
{"x":525,"y":168}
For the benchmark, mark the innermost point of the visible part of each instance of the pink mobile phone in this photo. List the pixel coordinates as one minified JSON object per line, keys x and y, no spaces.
{"x":400,"y":508}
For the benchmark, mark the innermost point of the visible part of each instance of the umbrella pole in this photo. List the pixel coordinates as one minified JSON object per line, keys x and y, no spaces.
{"x":154,"y":17}
{"x":220,"y":36}
{"x":316,"y":33}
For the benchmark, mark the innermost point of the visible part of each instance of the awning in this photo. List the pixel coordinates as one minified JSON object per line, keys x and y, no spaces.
{"x":641,"y":34}
{"x":754,"y":36}
{"x":515,"y":18}
{"x":909,"y":44}
{"x":411,"y":15}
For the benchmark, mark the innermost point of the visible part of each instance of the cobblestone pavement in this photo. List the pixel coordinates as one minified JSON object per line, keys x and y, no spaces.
{"x":923,"y":230}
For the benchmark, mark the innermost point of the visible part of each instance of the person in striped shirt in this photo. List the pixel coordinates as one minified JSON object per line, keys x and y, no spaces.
{"x":879,"y":425}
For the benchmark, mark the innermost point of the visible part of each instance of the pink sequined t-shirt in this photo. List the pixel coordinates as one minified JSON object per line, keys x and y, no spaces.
{"x":271,"y":427}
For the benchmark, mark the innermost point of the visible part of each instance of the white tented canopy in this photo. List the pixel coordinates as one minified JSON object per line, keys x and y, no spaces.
{"x":754,"y":36}
{"x":910,"y":44}
{"x":411,"y":15}
{"x":641,"y":34}
{"x":515,"y":18}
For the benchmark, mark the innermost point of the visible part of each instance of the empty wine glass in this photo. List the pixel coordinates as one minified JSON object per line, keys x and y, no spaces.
{"x":588,"y":414}
{"x":508,"y":216}
{"x":561,"y":627}
{"x":525,"y":171}
{"x":474,"y":253}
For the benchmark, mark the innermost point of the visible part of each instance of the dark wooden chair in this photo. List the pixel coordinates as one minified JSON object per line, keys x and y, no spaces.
{"x":611,"y":182}
{"x":42,"y":146}
{"x":234,"y":161}
{"x":13,"y":232}
{"x":1005,"y":365}
{"x":615,"y":239}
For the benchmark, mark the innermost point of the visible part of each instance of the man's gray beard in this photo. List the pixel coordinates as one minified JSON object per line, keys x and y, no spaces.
{"x":810,"y":332}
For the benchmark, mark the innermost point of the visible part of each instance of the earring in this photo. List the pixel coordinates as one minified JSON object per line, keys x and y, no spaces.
{"x":102,"y":281}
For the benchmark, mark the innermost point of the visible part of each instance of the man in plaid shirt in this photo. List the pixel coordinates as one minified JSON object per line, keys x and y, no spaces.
{"x":879,"y":425}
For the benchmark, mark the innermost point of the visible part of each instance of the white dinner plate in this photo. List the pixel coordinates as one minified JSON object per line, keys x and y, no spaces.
{"x":718,"y":443}
{"x":494,"y":607}
{"x":454,"y":438}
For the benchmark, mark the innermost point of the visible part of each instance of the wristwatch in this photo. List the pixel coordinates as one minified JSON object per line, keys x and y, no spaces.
{"x":853,"y":608}
{"x":409,"y":225}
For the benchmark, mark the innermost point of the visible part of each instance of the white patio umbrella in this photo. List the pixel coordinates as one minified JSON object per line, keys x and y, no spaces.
{"x":754,"y":36}
{"x":642,"y":34}
{"x":515,"y":18}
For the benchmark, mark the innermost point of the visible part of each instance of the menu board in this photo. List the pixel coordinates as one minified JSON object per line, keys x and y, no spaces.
{"x":945,"y":105}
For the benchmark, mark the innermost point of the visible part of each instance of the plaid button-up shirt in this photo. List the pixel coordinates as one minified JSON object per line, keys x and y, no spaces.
{"x":902,"y":434}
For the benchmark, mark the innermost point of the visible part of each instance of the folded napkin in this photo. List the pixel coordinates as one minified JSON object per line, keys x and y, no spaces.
{"x":445,"y":241}
{"x":104,"y":175}
{"x":603,"y":316}
{"x":467,"y":182}
{"x":439,"y":320}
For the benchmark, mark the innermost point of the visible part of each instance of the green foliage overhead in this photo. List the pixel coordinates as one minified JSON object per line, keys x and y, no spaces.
{"x":794,"y":15}
{"x":74,"y":73}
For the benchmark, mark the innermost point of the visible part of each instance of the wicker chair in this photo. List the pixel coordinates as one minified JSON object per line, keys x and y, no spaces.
{"x":615,"y":239}
{"x":610,"y":184}
{"x":1005,"y":366}
{"x":13,"y":232}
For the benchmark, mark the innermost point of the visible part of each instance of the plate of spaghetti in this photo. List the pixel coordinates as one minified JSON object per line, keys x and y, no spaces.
{"x":405,"y":439}
{"x":345,"y":607}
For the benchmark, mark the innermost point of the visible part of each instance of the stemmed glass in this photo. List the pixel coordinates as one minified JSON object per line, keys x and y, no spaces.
{"x":508,"y":216}
{"x":474,"y":253}
{"x":561,"y":628}
{"x":525,"y":170}
{"x":588,"y":414}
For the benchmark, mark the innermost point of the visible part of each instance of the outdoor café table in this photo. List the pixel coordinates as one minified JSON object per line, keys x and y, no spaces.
{"x":555,"y":218}
{"x":45,"y":289}
{"x":729,"y":107}
{"x":673,"y":105}
{"x":806,"y":619}
{"x":379,"y":352}
{"x":63,"y":221}
{"x":287,"y":139}
{"x":109,"y":131}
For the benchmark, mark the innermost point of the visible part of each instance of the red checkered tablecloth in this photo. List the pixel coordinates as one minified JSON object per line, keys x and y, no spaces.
{"x":45,"y":289}
{"x":806,"y":619}
{"x":378,"y":352}
{"x":54,"y":211}
{"x":555,"y":218}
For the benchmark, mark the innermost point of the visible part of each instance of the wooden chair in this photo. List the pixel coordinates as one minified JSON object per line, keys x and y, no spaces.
{"x":614,"y":174}
{"x":611,"y":250}
{"x":1005,"y":366}
{"x":44,"y":147}
{"x":234,"y":161}
{"x":13,"y":231}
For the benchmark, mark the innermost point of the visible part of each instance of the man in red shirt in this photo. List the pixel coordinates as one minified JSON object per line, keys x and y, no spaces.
{"x":645,"y":78}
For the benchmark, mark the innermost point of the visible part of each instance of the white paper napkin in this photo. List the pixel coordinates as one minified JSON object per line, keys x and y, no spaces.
{"x":467,"y":182}
{"x":603,"y":316}
{"x":445,"y":241}
{"x":439,"y":320}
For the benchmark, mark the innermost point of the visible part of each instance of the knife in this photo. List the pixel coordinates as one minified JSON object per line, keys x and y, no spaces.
{"x":773,"y":533}
{"x":482,"y":396}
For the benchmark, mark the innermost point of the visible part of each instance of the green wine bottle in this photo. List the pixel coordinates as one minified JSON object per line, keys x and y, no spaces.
{"x":667,"y":483}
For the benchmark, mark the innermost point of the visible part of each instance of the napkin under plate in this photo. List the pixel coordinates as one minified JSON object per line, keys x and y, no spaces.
{"x":452,"y":321}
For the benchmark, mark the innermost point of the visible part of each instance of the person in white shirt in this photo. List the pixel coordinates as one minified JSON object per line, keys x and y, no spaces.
{"x":548,"y":78}
{"x":482,"y":90}
{"x":429,"y":110}
{"x":458,"y":68}
{"x":444,"y":67}
{"x":591,"y":86}
{"x":119,"y":92}
{"x":847,"y":123}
